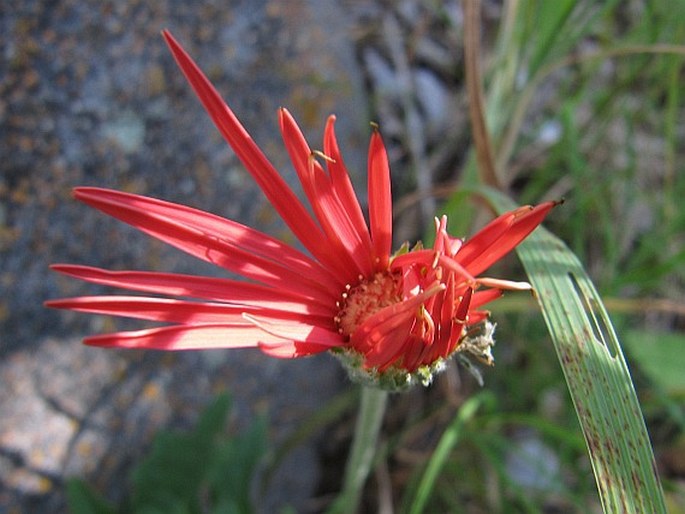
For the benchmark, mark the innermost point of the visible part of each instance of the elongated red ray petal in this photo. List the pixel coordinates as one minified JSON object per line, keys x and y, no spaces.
{"x":484,"y":238}
{"x":208,"y":288}
{"x":242,"y":236}
{"x":338,"y":226}
{"x":177,"y":311}
{"x":524,"y":223}
{"x":380,"y":201}
{"x":342,"y":184}
{"x":480,"y":298}
{"x":275,"y":188}
{"x":298,"y":150}
{"x":222,"y":252}
{"x":187,"y":337}
{"x":221,"y":228}
{"x":327,"y":209}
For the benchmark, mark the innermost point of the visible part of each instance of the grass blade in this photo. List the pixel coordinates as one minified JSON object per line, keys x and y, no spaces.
{"x":448,"y":440}
{"x":596,"y":373}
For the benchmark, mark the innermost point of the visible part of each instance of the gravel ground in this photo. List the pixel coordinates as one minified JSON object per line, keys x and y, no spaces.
{"x":89,"y":95}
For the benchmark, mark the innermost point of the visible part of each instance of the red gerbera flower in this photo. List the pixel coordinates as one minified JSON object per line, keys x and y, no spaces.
{"x":390,"y":318}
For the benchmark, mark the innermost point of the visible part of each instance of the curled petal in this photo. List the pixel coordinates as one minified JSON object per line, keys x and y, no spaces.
{"x":505,"y":284}
{"x":292,"y":349}
{"x":300,"y":331}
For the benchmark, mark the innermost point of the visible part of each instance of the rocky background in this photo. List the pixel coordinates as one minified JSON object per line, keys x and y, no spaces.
{"x":89,"y":95}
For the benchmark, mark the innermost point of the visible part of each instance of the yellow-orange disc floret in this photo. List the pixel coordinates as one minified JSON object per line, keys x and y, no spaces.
{"x":365,"y":299}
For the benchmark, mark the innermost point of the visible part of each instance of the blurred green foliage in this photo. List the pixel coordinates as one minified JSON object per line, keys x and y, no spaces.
{"x":584,"y":100}
{"x":201,"y":471}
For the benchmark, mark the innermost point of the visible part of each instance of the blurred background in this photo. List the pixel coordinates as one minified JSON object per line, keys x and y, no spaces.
{"x":584,"y":100}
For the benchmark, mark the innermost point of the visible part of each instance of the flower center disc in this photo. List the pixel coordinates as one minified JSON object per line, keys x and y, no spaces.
{"x":365,"y":299}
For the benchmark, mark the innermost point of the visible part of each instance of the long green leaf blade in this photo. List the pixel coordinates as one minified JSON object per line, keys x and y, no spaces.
{"x":596,"y":373}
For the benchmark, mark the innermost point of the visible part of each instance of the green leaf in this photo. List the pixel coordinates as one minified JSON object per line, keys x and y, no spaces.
{"x":213,"y":418}
{"x":550,"y":18}
{"x":226,"y":506}
{"x":233,"y":467}
{"x":83,"y":500}
{"x":595,"y":370}
{"x":169,"y":479}
{"x":661,"y":357}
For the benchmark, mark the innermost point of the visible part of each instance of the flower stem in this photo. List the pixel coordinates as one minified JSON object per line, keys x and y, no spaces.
{"x":364,"y":444}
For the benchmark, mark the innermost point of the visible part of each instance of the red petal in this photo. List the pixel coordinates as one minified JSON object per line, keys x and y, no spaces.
{"x":349,"y":256}
{"x":342,"y":185}
{"x":374,"y":327}
{"x":299,"y":152}
{"x":390,"y":344}
{"x":476,"y":317}
{"x":211,"y":224}
{"x":292,"y":349}
{"x":234,"y":251}
{"x":484,"y":238}
{"x":186,"y":337}
{"x":480,"y":298}
{"x":380,"y":201}
{"x":275,"y":188}
{"x":174,"y":311}
{"x":524,"y":223}
{"x":208,"y":288}
{"x":297,"y":330}
{"x":423,"y":257}
{"x":456,"y":327}
{"x":339,"y":230}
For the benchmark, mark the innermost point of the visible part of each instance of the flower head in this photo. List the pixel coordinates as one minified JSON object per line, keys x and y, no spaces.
{"x":390,"y":318}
